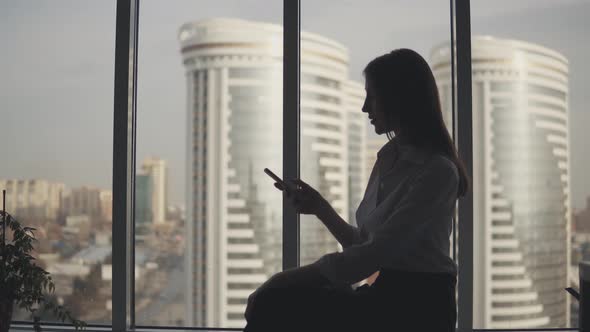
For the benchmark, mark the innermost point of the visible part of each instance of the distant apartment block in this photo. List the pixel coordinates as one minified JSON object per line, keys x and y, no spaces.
{"x":33,"y":198}
{"x":152,"y":191}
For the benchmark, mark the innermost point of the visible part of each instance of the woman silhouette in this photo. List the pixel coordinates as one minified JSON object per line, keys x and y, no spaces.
{"x":404,"y":223}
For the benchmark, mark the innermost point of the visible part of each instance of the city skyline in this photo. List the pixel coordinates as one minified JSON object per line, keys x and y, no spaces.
{"x":158,"y":45}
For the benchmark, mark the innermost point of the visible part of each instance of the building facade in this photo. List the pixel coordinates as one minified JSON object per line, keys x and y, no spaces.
{"x":33,"y":198}
{"x":143,"y":200}
{"x":234,"y":118}
{"x":82,"y":201}
{"x":106,"y":205}
{"x":521,"y":181}
{"x":354,"y":97}
{"x":156,"y":170}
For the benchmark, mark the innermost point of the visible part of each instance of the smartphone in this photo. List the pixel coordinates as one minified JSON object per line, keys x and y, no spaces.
{"x":574,"y":293}
{"x":276,"y":178}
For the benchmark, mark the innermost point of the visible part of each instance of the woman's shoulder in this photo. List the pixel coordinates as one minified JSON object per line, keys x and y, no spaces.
{"x":441,"y":166}
{"x":438,"y":174}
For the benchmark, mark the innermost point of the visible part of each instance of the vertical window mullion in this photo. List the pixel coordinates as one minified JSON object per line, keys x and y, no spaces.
{"x":465,"y":147}
{"x":291,"y":126}
{"x":130,"y":251}
{"x":123,"y":163}
{"x":454,"y":111}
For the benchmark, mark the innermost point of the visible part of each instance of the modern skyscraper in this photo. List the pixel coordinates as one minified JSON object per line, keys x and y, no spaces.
{"x":234,"y":118}
{"x":521,"y":181}
{"x":332,"y":137}
{"x":155,"y":169}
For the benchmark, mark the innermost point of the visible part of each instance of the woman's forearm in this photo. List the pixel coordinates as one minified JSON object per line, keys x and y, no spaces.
{"x":342,"y":231}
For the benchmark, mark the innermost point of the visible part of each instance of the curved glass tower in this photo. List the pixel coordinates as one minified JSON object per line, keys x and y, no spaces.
{"x":234,"y":130}
{"x":520,"y":181}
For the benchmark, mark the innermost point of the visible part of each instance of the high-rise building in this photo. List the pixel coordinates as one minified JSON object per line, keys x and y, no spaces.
{"x":332,"y":137}
{"x":32,"y":199}
{"x":354,"y":97}
{"x":155,"y":169}
{"x":234,"y":118}
{"x":143,"y":199}
{"x":106,"y":203}
{"x":521,"y":181}
{"x":82,"y":201}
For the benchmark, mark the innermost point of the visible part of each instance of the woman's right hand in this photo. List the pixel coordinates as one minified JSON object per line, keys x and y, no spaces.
{"x":304,"y":198}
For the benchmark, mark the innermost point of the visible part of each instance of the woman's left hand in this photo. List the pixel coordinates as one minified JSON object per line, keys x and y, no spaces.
{"x":304,"y":198}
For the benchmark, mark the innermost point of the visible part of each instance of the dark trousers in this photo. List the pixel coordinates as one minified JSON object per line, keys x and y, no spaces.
{"x":396,"y":301}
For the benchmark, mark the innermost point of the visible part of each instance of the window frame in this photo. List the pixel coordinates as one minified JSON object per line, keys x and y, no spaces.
{"x":124,"y":148}
{"x":463,"y":132}
{"x":124,"y":143}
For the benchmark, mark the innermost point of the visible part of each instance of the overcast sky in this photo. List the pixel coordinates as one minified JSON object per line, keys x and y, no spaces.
{"x":57,"y":58}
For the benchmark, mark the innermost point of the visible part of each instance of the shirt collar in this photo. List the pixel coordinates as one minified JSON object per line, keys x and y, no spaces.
{"x":397,"y":149}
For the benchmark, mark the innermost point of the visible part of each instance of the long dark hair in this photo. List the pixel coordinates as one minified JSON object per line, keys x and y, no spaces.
{"x":405,"y":87}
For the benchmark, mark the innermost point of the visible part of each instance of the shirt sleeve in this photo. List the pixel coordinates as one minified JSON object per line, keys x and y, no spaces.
{"x":430,"y":195}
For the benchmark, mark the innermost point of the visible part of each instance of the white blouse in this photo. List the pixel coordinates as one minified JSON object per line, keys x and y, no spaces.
{"x":404,"y":220}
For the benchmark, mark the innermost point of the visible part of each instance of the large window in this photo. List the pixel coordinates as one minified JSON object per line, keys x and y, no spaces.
{"x":56,"y":115}
{"x":207,"y":223}
{"x":338,"y":144}
{"x":208,"y":220}
{"x":530,"y":82}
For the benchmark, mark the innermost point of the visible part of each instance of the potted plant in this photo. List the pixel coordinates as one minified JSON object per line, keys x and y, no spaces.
{"x":22,"y":282}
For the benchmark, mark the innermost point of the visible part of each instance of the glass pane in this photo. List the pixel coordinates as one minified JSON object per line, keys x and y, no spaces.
{"x":530,"y":83}
{"x":56,"y":101}
{"x":338,"y":144}
{"x":209,"y":120}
